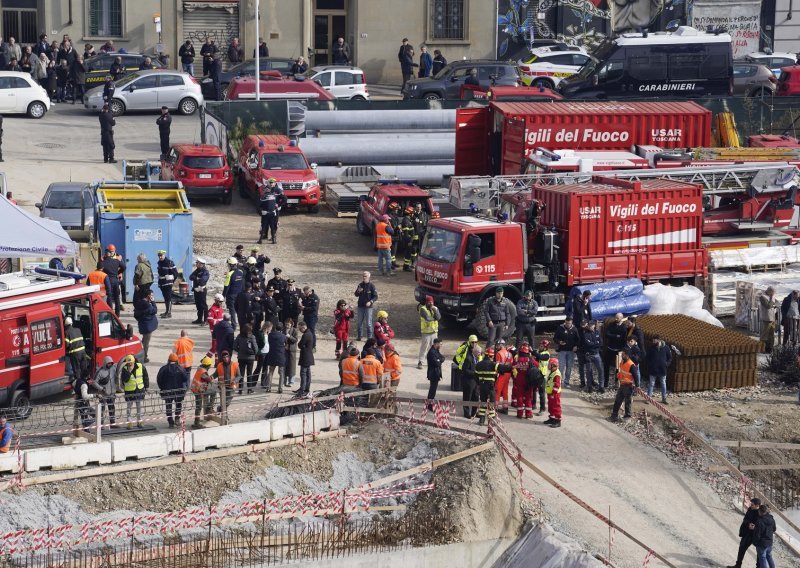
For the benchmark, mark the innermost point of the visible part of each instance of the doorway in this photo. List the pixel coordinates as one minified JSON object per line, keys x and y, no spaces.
{"x":330,"y":22}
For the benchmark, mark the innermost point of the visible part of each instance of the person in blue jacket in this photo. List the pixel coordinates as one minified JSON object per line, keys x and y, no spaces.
{"x":146,"y":314}
{"x":425,"y":62}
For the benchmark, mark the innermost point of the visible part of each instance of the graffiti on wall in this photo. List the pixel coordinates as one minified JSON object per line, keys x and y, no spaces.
{"x":742,"y":19}
{"x":221,"y":35}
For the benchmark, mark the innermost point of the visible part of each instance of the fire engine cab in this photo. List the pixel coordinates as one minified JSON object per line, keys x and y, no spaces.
{"x":33,"y":306}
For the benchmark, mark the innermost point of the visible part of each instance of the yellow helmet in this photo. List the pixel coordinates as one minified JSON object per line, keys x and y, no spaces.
{"x":382,"y":314}
{"x":129,"y":359}
{"x":207,"y":362}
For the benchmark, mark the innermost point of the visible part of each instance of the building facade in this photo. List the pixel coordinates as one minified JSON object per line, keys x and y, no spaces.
{"x":291,"y":28}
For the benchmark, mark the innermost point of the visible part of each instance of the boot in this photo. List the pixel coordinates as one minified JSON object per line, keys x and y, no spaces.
{"x":260,"y":240}
{"x":520,"y":414}
{"x":482,"y":420}
{"x":406,"y":268}
{"x":556,"y":424}
{"x":196,"y":423}
{"x":274,"y":240}
{"x":529,"y":415}
{"x":548,"y":421}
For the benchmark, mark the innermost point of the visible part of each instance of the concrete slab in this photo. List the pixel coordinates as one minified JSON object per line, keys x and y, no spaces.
{"x":67,"y":457}
{"x":9,"y":463}
{"x":156,"y":446}
{"x":231,"y":435}
{"x":308,"y":423}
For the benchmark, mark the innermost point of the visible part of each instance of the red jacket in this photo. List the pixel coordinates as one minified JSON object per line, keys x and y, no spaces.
{"x":383,"y":333}
{"x":341,"y":325}
{"x":215,"y":314}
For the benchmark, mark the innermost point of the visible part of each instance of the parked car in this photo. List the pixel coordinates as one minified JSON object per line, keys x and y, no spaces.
{"x":19,"y":94}
{"x":202,"y":169}
{"x":246,"y":69}
{"x":789,"y":81}
{"x":97,"y":67}
{"x":342,"y":81}
{"x":772,"y":60}
{"x":447,"y":82}
{"x":753,"y":80}
{"x":150,"y":90}
{"x":376,"y":203}
{"x":545,"y":67}
{"x":62,"y":203}
{"x":277,"y":87}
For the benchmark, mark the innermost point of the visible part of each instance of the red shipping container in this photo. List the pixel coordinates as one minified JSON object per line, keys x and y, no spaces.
{"x":613,"y":229}
{"x":495,"y":139}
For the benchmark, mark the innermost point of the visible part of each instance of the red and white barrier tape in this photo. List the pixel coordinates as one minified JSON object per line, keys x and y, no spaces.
{"x":647,"y":559}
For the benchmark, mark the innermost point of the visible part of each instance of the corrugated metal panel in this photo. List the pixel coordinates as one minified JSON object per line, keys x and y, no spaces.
{"x":220,"y":23}
{"x":472,"y":142}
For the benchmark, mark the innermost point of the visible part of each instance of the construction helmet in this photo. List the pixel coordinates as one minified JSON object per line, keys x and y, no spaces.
{"x":472,"y":339}
{"x":173,"y":358}
{"x":111,"y":248}
{"x":272,"y":180}
{"x":129,"y":359}
{"x":232,"y":261}
{"x":553,"y":364}
{"x":219,"y":298}
{"x":382,"y":314}
{"x":206,"y":361}
{"x":67,"y":320}
{"x":545,"y":344}
{"x":524,"y":348}
{"x":394,"y":205}
{"x":489,"y":352}
{"x":251,"y":260}
{"x":409,"y":210}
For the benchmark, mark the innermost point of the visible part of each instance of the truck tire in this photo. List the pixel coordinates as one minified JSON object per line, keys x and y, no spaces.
{"x":21,"y":404}
{"x":478,"y":324}
{"x":360,"y":226}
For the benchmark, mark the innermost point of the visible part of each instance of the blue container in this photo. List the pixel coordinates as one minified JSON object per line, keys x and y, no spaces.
{"x":137,"y":221}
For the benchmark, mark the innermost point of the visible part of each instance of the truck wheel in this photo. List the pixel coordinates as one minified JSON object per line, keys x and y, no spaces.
{"x":432,"y":97}
{"x":242,"y":187}
{"x":360,"y":226}
{"x":21,"y":404}
{"x":478,"y":324}
{"x":542,"y":84}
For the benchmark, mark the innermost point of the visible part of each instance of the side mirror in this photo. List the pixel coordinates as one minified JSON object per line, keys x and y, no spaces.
{"x":38,"y":205}
{"x":313,"y":165}
{"x":252,"y":164}
{"x":132,"y":88}
{"x":129,"y":332}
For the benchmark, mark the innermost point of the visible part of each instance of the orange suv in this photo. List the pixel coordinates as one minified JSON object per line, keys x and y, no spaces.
{"x":202,"y":169}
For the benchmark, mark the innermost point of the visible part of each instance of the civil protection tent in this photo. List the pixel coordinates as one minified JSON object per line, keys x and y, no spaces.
{"x":23,"y":235}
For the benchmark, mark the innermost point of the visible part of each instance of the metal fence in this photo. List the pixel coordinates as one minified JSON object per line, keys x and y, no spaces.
{"x":265,"y":544}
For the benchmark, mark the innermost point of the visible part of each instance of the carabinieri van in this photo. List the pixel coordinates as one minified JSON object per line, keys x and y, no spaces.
{"x":684,"y":63}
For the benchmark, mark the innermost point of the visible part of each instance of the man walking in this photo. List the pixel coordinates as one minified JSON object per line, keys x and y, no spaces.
{"x":767,"y":304}
{"x":107,"y":124}
{"x":167,"y":273}
{"x":746,"y":530}
{"x":367,"y":296}
{"x":498,"y":315}
{"x":526,"y":318}
{"x":429,"y":317}
{"x":164,"y":122}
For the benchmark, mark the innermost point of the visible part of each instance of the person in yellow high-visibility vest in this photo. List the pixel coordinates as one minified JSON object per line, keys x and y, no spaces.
{"x":429,"y":317}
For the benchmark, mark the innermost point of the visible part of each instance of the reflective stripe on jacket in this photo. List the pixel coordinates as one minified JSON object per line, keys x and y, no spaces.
{"x":373,"y":370}
{"x":351,"y":371}
{"x":553,"y":382}
{"x":135,"y":381}
{"x":74,"y":341}
{"x":199,"y":386}
{"x":183,"y":349}
{"x":383,"y":240}
{"x":427,"y":320}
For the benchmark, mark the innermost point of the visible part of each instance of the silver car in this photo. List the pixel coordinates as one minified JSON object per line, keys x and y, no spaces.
{"x":150,"y":90}
{"x":62,"y":203}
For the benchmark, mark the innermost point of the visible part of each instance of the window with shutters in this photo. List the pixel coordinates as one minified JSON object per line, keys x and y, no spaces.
{"x":105,"y":18}
{"x":447,"y":20}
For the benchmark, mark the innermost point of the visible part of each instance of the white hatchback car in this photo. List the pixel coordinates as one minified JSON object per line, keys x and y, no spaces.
{"x":150,"y":90}
{"x":20,"y":94}
{"x":545,"y":66}
{"x":343,"y":81}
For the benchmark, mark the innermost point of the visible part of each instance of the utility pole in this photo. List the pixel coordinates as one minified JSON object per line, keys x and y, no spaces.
{"x":258,"y":64}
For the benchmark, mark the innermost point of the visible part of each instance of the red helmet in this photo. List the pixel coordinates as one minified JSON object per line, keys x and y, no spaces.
{"x":409,"y":210}
{"x":489,"y":352}
{"x":524,"y":348}
{"x":111,"y":248}
{"x":553,"y":364}
{"x":545,"y":343}
{"x":394,"y":205}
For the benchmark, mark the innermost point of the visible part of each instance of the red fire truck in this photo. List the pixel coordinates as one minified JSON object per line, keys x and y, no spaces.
{"x":608,"y":229}
{"x":32,"y":348}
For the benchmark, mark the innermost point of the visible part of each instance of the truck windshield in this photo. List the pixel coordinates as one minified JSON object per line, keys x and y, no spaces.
{"x":284,"y":162}
{"x":441,"y":245}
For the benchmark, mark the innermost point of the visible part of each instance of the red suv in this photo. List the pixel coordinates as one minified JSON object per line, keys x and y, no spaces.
{"x":202,"y":169}
{"x":789,"y":81}
{"x":277,"y":87}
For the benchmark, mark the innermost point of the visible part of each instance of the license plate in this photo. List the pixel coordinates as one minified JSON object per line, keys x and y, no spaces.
{"x":292,"y":201}
{"x":204,"y":176}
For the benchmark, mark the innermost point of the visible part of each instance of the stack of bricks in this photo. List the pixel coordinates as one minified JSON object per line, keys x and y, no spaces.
{"x":710,"y":357}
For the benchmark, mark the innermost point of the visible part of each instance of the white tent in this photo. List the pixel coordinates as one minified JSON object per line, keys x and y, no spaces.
{"x":23,"y":235}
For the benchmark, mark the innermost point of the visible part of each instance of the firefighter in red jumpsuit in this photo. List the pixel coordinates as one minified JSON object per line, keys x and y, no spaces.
{"x":523,"y":395}
{"x":518,"y":382}
{"x":504,"y":357}
{"x":215,"y":315}
{"x":552,"y":387}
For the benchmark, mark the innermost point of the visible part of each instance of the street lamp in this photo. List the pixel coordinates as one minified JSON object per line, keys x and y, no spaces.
{"x":258,"y":64}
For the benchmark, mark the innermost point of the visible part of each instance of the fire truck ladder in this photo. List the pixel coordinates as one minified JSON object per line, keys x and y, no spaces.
{"x":761,"y":177}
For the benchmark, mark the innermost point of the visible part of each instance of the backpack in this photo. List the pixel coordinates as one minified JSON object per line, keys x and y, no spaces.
{"x":534,"y":377}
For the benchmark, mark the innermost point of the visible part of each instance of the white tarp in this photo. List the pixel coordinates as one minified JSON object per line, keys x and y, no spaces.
{"x":758,"y":256}
{"x":23,"y":235}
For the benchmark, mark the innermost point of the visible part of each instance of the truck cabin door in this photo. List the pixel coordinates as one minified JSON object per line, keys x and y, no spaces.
{"x":47,"y":355}
{"x":485,"y":268}
{"x":113,"y":339}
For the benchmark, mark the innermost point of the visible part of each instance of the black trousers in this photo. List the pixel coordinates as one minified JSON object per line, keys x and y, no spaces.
{"x":178,"y":402}
{"x":108,"y":150}
{"x":269,"y":224}
{"x":166,"y":291}
{"x":488,"y":398}
{"x":744,"y":544}
{"x":432,"y":389}
{"x":542,"y":400}
{"x":469,"y":388}
{"x":164,"y":145}
{"x":624,"y":393}
{"x":201,"y":303}
{"x":114,"y":295}
{"x":524,"y":329}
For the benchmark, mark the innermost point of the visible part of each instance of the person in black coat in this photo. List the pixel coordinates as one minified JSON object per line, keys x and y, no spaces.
{"x":214,"y":70}
{"x":407,"y":64}
{"x":592,"y":344}
{"x":78,"y":79}
{"x":187,"y":54}
{"x":306,"y":358}
{"x":658,"y":357}
{"x":263,"y":50}
{"x":145,"y":313}
{"x":207,"y":51}
{"x":118,"y":69}
{"x":173,"y":381}
{"x":763,"y":535}
{"x":310,"y":302}
{"x":167,"y":273}
{"x":108,"y":89}
{"x":107,"y":124}
{"x":615,"y":343}
{"x":745,"y":532}
{"x":164,"y":122}
{"x":435,"y":360}
{"x":299,"y":67}
{"x":223,"y":335}
{"x":199,"y":279}
{"x":439,"y":62}
{"x":276,"y":358}
{"x":469,"y":381}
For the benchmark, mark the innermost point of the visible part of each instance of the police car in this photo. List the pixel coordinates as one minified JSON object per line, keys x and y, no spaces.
{"x":772,"y":60}
{"x":546,"y":66}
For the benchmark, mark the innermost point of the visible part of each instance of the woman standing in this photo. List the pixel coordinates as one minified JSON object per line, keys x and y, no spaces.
{"x":246,"y":347}
{"x":145,"y":312}
{"x":292,"y":337}
{"x":341,"y":325}
{"x":425,"y":62}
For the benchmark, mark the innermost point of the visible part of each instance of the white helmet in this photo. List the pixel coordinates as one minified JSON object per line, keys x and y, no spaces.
{"x":219,"y":297}
{"x":251,"y":260}
{"x":67,"y":320}
{"x":232,"y":261}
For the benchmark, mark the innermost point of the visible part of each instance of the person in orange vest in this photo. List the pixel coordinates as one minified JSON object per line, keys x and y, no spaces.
{"x":183,"y":349}
{"x":99,"y":278}
{"x":504,"y":357}
{"x":227,"y":372}
{"x":6,"y":435}
{"x":373,"y":371}
{"x":204,"y":391}
{"x":392,"y":365}
{"x":552,"y":386}
{"x":383,"y":244}
{"x":625,"y":388}
{"x":351,"y":372}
